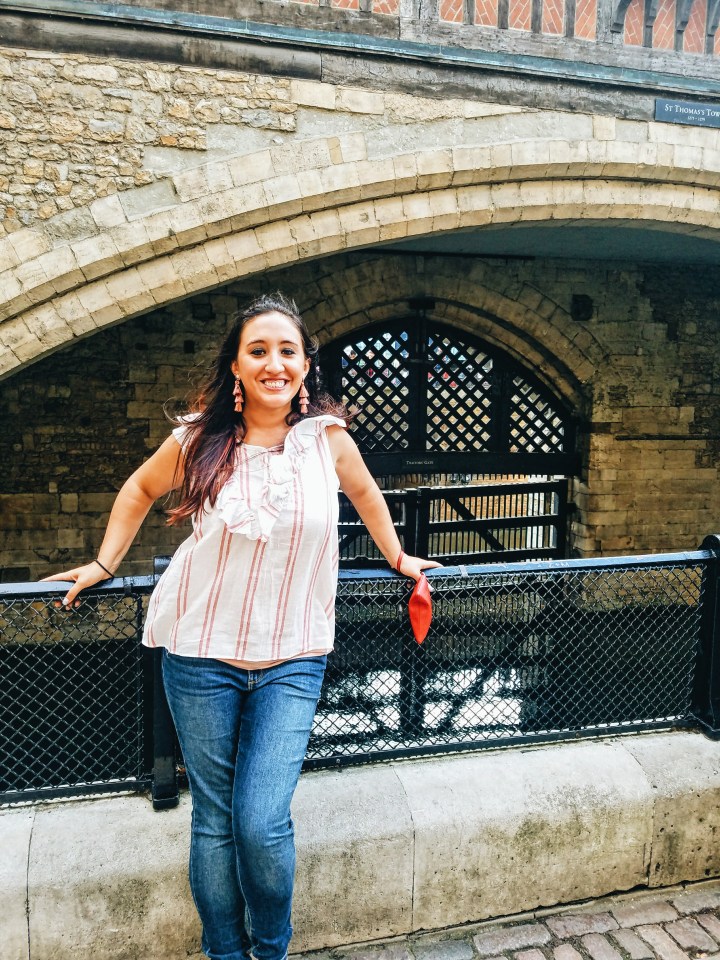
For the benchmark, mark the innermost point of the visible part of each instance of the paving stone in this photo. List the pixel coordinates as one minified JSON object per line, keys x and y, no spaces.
{"x":364,"y":953}
{"x":511,"y":938}
{"x":566,"y":952}
{"x":689,"y":934}
{"x":388,"y":951}
{"x":443,"y":950}
{"x":533,"y":954}
{"x":695,"y":900}
{"x":579,"y":924}
{"x":711,"y":924}
{"x":599,"y":947}
{"x":661,"y":942}
{"x":631,"y":943}
{"x":632,"y":914}
{"x":396,"y":951}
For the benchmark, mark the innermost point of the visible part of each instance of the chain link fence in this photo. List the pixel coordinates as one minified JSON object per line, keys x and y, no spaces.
{"x":509,"y":654}
{"x":516,"y":653}
{"x":73,"y":692}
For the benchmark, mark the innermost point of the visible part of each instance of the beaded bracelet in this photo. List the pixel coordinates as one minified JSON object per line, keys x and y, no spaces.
{"x":103,"y":567}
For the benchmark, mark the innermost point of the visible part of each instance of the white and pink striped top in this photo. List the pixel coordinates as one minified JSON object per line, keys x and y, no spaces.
{"x":257,"y":578}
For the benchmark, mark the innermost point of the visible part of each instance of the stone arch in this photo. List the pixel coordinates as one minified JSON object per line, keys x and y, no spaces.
{"x":232,"y":220}
{"x":517,"y":319}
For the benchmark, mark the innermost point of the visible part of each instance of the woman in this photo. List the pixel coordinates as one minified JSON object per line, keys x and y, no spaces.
{"x":245,"y":611}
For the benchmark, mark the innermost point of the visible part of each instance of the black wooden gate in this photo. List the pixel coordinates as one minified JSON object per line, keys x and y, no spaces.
{"x":471,"y":523}
{"x":435,"y":405}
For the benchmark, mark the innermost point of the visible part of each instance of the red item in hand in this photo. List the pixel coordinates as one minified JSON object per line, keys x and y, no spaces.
{"x":420,"y":609}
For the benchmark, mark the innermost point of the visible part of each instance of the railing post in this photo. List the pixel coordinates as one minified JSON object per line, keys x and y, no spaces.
{"x":165,"y":793}
{"x":706,"y":694}
{"x":412,"y":664}
{"x":410,"y":541}
{"x":422,"y":523}
{"x":563,"y":517}
{"x":413,"y":677}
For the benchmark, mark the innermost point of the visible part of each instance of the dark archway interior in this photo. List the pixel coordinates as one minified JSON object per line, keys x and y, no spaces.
{"x":621,"y":241}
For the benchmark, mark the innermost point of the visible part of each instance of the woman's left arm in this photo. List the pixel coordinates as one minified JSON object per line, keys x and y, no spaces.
{"x":360,"y":488}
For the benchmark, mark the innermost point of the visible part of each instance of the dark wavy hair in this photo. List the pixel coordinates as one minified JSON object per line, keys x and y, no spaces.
{"x":215,"y":429}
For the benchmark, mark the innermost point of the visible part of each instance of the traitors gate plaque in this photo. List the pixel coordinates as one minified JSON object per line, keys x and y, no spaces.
{"x":685,"y":111}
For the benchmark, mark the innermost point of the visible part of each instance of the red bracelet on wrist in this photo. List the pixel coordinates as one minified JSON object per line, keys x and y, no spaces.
{"x":399,"y":561}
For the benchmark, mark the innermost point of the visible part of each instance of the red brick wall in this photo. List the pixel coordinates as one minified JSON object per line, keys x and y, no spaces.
{"x":586,"y":19}
{"x":486,"y":13}
{"x":694,"y":40}
{"x":520,"y":14}
{"x":451,"y":11}
{"x":664,"y":26}
{"x":553,"y":17}
{"x":634,"y":23}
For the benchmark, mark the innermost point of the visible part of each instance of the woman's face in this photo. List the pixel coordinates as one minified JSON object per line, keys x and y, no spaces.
{"x":270,"y":362}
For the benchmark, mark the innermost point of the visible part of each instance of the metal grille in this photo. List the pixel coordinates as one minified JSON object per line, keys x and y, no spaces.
{"x":510,"y":655}
{"x":71,"y":694}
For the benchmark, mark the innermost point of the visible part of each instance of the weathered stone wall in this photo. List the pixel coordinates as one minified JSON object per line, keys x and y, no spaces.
{"x":73,"y":129}
{"x":74,"y":425}
{"x":654,"y":440}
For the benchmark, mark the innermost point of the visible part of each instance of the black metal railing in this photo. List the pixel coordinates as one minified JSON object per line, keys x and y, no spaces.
{"x":471,"y":523}
{"x":516,"y":653}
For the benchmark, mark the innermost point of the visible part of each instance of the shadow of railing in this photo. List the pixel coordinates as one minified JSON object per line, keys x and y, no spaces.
{"x":517,"y":653}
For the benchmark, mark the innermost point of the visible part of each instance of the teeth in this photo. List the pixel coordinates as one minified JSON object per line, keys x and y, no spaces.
{"x":274,"y":384}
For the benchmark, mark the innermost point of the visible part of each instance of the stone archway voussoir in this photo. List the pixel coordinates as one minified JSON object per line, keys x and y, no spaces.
{"x":214,"y":202}
{"x":132,"y":287}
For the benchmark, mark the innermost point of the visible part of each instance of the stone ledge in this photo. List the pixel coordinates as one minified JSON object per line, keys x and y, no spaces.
{"x":428,"y":843}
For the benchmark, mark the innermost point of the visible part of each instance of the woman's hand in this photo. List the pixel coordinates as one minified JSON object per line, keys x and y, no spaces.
{"x":413,"y":566}
{"x":81,"y":578}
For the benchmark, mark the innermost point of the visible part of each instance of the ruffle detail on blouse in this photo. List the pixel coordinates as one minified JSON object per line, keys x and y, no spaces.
{"x":256,"y":523}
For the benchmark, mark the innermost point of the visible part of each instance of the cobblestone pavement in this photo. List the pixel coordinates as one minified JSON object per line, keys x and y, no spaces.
{"x":678,"y":923}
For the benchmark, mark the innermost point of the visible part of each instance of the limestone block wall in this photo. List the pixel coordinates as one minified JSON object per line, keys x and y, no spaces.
{"x":74,"y":425}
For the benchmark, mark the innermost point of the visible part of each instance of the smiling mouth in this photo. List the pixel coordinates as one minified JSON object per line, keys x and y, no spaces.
{"x":275,"y":384}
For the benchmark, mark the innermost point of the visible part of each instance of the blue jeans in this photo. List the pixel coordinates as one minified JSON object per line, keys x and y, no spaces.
{"x":243,"y":734}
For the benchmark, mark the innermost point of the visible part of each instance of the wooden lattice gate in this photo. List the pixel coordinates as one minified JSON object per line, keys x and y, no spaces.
{"x":473,"y":451}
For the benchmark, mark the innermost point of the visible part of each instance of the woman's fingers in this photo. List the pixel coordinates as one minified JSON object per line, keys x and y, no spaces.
{"x":65,"y":604}
{"x":73,"y":592}
{"x":69,"y":576}
{"x":414,"y":566}
{"x":81,"y":578}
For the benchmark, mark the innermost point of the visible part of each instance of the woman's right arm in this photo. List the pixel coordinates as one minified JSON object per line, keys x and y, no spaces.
{"x":160,"y":474}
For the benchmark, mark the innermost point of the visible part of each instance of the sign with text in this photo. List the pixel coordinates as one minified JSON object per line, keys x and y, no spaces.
{"x":685,"y":111}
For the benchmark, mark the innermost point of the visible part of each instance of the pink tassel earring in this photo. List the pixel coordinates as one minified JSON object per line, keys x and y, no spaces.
{"x":238,"y":394}
{"x":303,"y":397}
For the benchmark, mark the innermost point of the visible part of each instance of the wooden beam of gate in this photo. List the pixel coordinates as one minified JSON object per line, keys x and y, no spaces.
{"x":467,"y":514}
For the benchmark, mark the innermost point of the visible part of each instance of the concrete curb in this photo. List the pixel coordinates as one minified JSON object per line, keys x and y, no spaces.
{"x":383,"y":850}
